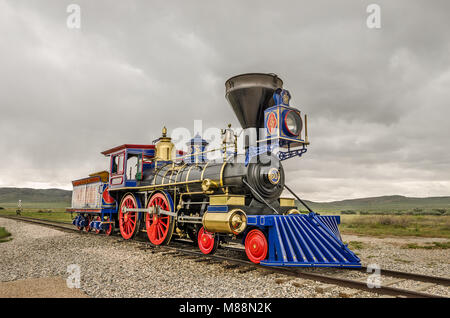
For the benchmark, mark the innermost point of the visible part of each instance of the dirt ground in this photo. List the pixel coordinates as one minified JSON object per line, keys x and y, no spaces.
{"x":48,"y":287}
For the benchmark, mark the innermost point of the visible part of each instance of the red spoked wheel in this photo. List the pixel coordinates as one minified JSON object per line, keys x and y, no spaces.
{"x":128,"y":220}
{"x":110,"y":227}
{"x":256,"y":246}
{"x":87,"y":228}
{"x":98,"y":218}
{"x":159,"y":227}
{"x":207,"y":241}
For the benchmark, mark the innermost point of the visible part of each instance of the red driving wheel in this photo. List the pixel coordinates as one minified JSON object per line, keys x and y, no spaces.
{"x":256,"y":246}
{"x":128,"y":220}
{"x":158,"y":226}
{"x":207,"y":241}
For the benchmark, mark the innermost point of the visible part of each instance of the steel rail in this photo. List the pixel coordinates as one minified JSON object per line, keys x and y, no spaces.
{"x":411,"y":276}
{"x":344,"y":282}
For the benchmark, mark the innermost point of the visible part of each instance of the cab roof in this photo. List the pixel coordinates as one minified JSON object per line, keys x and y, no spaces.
{"x":127,"y":146}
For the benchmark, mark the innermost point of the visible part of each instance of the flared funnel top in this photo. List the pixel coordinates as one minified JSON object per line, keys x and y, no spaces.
{"x":249,"y":95}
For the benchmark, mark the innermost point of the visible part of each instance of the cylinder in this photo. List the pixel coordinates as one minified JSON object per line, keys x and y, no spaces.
{"x":232,"y":222}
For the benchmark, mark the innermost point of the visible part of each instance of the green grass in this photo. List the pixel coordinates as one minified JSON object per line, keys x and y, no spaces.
{"x":355,"y":245}
{"x":428,"y":246}
{"x":4,"y":235}
{"x":406,"y":225}
{"x":388,"y":204}
{"x":35,"y":205}
{"x":58,"y":215}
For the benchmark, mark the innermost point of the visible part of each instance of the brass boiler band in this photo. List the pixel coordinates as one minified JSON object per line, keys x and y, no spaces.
{"x":198,"y":181}
{"x":201,"y":178}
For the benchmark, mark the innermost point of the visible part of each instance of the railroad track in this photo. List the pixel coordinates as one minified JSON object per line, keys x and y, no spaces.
{"x":180,"y":247}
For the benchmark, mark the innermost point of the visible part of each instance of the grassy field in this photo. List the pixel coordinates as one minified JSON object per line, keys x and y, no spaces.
{"x":395,"y":225}
{"x":41,"y":213}
{"x":391,"y":204}
{"x":4,"y":235}
{"x":61,"y":206}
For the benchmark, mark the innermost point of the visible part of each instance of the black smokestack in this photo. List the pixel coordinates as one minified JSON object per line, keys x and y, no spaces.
{"x":249,"y":95}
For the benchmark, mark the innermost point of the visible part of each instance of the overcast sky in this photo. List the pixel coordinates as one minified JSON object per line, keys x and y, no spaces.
{"x":378,"y":100}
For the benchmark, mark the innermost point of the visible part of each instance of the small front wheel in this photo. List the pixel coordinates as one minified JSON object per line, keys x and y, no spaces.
{"x":207,"y":242}
{"x":110,"y":228}
{"x":256,"y":246}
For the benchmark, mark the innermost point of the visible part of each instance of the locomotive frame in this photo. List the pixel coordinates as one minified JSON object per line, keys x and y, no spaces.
{"x":164,"y":192}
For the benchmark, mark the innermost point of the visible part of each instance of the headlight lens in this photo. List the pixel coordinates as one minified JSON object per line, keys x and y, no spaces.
{"x":293,"y":123}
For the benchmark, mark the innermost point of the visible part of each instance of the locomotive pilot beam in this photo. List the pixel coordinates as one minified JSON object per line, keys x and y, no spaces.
{"x":165,"y":192}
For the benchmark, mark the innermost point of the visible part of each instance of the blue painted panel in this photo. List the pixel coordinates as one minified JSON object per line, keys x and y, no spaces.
{"x":218,"y":208}
{"x":304,"y":240}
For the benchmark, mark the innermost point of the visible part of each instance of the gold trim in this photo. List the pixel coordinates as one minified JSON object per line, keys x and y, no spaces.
{"x":306,"y":129}
{"x":148,"y":187}
{"x":227,"y":199}
{"x":104,"y":175}
{"x":292,"y":211}
{"x":164,"y":176}
{"x":172,"y":169}
{"x":180,"y":170}
{"x":287,"y":202}
{"x":187,"y":177}
{"x":208,"y":184}
{"x":221,"y":176}
{"x":171,"y":175}
{"x":203,"y":171}
{"x":232,"y":222}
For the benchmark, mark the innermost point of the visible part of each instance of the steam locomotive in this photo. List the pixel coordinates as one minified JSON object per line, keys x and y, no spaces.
{"x":168,"y":193}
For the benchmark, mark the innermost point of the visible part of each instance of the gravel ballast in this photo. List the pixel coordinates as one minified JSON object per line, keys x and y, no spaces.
{"x":112,"y":268}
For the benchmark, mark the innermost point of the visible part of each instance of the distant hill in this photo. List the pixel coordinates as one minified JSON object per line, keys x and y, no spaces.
{"x":27,"y":195}
{"x":10,"y":196}
{"x":391,"y":202}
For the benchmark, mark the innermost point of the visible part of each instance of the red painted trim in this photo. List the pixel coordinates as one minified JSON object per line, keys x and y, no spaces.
{"x":285,"y":125}
{"x":272,"y":123}
{"x":118,"y":173}
{"x":116,"y":184}
{"x":125,"y":146}
{"x":86,"y":181}
{"x":107,"y":197}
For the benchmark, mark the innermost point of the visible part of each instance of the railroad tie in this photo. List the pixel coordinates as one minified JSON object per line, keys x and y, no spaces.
{"x":169,"y":253}
{"x":392,"y":281}
{"x":203,"y":260}
{"x":299,"y":284}
{"x":324,"y":287}
{"x":245,"y":270}
{"x":349,"y":294}
{"x":230,"y":266}
{"x":424,"y":286}
{"x":283,"y":280}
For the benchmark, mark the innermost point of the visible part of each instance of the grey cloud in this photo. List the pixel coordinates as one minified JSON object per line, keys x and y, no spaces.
{"x":377,"y":99}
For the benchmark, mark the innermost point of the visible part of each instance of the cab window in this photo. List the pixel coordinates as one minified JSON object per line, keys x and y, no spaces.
{"x":133,"y":165}
{"x":117,"y":164}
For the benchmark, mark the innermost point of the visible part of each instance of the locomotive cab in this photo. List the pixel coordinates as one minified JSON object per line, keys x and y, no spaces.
{"x":127,"y":163}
